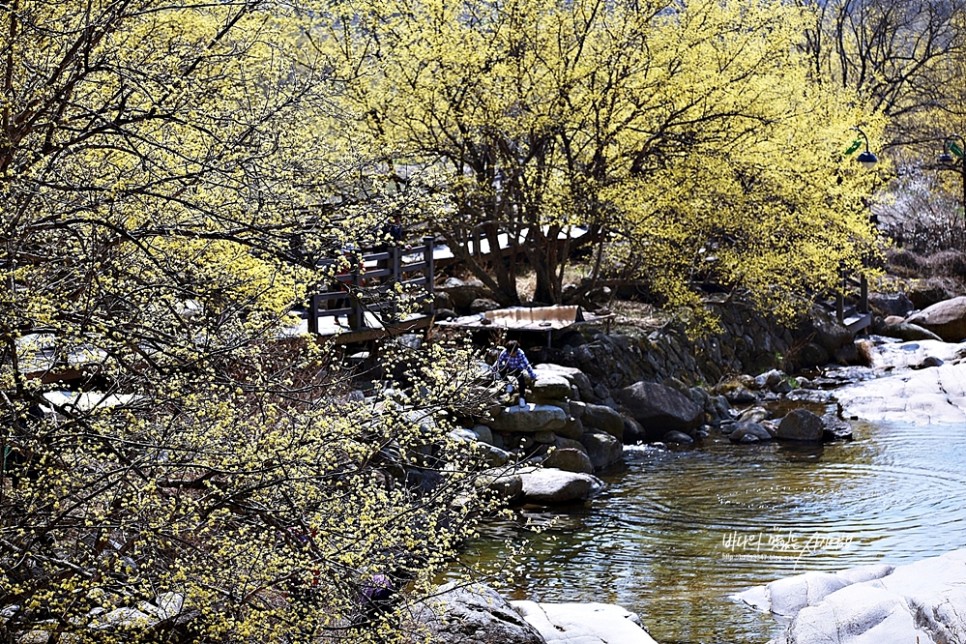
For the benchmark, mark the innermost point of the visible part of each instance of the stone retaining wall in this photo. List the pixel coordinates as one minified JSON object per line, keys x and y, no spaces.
{"x":747,"y":343}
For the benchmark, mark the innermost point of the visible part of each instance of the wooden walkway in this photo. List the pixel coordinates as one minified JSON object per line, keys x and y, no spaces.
{"x":478,"y":245}
{"x":362,"y":304}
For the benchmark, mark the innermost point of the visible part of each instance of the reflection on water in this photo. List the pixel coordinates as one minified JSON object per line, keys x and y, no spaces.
{"x":677,"y":532}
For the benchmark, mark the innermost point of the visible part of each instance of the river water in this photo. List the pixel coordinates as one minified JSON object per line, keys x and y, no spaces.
{"x":678,"y":532}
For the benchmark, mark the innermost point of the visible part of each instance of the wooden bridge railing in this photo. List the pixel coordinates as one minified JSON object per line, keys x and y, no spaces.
{"x":413,"y":267}
{"x":852,"y":302}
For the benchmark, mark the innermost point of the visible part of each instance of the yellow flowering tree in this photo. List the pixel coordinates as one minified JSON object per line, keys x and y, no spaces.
{"x":174,"y":468}
{"x":906,"y":59}
{"x":672,"y":128}
{"x":900,"y":55}
{"x":751,"y":187}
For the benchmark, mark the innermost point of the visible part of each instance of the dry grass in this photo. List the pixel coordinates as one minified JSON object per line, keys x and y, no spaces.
{"x":527,"y":280}
{"x":904,"y":262}
{"x":947,"y":263}
{"x":627,"y":314}
{"x":640,"y":315}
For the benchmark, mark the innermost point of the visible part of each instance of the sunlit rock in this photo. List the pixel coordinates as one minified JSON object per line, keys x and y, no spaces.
{"x":922,"y":602}
{"x":473,"y":614}
{"x":550,"y":486}
{"x":590,"y":623}
{"x":946,"y":319}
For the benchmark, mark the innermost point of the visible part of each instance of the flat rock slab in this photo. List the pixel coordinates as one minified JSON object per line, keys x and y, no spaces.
{"x":929,"y":396}
{"x":584,"y":623}
{"x":934,"y":395}
{"x":530,"y":419}
{"x":922,"y":602}
{"x":788,"y":596}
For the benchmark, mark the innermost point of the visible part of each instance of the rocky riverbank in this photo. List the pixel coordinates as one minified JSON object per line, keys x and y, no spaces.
{"x":920,"y":382}
{"x":923,"y":602}
{"x":599,"y":391}
{"x":549,"y":451}
{"x":571,"y":440}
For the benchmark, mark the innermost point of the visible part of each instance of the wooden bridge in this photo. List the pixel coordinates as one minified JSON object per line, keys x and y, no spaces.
{"x":364,"y":303}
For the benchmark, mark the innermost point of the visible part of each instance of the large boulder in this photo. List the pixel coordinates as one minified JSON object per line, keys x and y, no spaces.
{"x":551,"y":487}
{"x":461,"y":294}
{"x":800,"y":425}
{"x":506,"y":485}
{"x":570,"y":459}
{"x":574,"y":376}
{"x":530,"y":419}
{"x":473,"y":614}
{"x":550,"y":387}
{"x":604,"y":450}
{"x":896,"y":328}
{"x":591,"y":623}
{"x":860,"y":615}
{"x":659,"y":408}
{"x":599,"y":417}
{"x":886,"y":304}
{"x":946,"y":319}
{"x":786,"y":597}
{"x":921,"y":602}
{"x":828,"y":337}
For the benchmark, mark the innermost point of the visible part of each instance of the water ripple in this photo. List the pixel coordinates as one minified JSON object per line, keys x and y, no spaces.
{"x":680,"y":531}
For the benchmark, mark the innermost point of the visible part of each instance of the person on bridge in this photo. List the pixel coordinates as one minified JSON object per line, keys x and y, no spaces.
{"x":513,"y":363}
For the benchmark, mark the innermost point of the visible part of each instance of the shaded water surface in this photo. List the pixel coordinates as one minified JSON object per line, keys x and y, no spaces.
{"x":677,"y":532}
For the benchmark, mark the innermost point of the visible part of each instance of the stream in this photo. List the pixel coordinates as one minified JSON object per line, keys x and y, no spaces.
{"x":677,"y":532}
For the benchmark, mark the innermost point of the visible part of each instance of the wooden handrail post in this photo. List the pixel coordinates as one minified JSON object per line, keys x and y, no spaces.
{"x":840,"y":294}
{"x":863,"y":293}
{"x":355,"y":305}
{"x":395,"y":261}
{"x":314,"y":314}
{"x":429,"y":272}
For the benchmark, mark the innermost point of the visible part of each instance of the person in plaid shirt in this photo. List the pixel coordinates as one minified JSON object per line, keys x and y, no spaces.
{"x":513,"y":363}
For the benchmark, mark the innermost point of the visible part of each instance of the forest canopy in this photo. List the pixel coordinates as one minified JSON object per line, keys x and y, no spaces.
{"x":689,"y":140}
